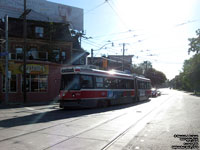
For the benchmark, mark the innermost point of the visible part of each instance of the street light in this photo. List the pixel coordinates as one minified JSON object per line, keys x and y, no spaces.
{"x":92,"y":50}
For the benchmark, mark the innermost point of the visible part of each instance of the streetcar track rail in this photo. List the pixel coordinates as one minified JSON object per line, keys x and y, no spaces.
{"x":109,"y":144}
{"x":115,"y":138}
{"x":133,"y":125}
{"x":62,"y":124}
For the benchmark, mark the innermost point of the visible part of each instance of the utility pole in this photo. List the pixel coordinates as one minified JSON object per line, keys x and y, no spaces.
{"x":24,"y":50}
{"x":92,"y":56}
{"x":123,"y":57}
{"x":6,"y":67}
{"x":123,"y":50}
{"x":145,"y":62}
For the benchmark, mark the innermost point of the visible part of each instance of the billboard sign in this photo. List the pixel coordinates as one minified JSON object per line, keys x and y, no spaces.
{"x":43,"y":10}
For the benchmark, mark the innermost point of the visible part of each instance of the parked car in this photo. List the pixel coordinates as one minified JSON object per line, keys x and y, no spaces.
{"x":155,"y":92}
{"x":158,"y":93}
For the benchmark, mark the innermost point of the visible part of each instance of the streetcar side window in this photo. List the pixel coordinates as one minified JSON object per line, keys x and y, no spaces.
{"x":129,"y":84}
{"x":114,"y":83}
{"x":148,"y":85}
{"x":99,"y":82}
{"x":70,"y":82}
{"x":86,"y":81}
{"x":144,"y":85}
{"x":121,"y":84}
{"x":110,"y":83}
{"x":140,"y":85}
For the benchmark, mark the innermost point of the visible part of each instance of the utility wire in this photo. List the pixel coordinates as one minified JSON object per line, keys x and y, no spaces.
{"x":92,"y":44}
{"x":95,"y":7}
{"x":116,"y":33}
{"x":116,"y":14}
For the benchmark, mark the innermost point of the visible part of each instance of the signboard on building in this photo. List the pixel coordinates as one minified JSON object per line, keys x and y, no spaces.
{"x":35,"y":69}
{"x":16,"y":68}
{"x":43,"y":10}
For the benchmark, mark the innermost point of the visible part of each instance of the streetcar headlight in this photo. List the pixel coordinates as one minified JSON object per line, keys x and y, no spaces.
{"x":73,"y":95}
{"x":63,"y":94}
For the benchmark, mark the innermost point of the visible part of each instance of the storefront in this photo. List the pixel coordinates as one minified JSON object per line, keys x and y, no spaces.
{"x":42,"y":81}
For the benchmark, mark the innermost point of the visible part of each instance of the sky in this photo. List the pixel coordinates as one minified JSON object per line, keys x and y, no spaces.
{"x":152,"y":30}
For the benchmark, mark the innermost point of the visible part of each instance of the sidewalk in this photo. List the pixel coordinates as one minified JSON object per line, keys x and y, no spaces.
{"x":27,"y":104}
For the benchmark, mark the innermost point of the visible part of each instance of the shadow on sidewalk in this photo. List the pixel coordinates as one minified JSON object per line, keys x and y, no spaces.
{"x":58,"y":114}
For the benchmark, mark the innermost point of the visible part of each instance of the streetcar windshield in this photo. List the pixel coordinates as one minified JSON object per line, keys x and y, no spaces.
{"x":70,"y":82}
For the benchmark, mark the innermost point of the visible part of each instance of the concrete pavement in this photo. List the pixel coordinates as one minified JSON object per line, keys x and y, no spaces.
{"x":148,"y":125}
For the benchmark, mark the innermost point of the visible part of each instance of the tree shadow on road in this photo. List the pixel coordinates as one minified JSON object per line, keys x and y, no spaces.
{"x":58,"y":114}
{"x":197,"y":95}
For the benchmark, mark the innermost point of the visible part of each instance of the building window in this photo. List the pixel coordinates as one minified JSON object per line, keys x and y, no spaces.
{"x":43,"y":83}
{"x":63,"y":55}
{"x":12,"y":83}
{"x":19,"y":53}
{"x":36,"y":83}
{"x":27,"y":83}
{"x":33,"y":54}
{"x":56,"y":55}
{"x":43,"y":55}
{"x":39,"y":32}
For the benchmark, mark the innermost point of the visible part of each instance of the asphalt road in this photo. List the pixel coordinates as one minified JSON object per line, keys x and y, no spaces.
{"x":170,"y":121}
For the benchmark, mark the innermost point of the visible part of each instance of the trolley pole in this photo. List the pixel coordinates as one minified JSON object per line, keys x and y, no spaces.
{"x":24,"y":50}
{"x":6,"y":63}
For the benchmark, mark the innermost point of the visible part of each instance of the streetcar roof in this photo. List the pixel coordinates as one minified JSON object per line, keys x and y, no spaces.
{"x":142,"y":78}
{"x":110,"y":73}
{"x":79,"y":70}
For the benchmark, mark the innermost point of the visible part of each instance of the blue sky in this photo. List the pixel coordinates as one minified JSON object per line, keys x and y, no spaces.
{"x":154,"y":30}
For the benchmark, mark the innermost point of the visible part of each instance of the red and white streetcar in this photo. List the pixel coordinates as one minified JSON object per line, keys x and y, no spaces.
{"x":87,"y":88}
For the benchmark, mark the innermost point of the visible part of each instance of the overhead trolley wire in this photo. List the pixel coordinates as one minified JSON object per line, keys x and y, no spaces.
{"x":116,"y":33}
{"x":91,"y":43}
{"x":116,"y":13}
{"x":96,"y":7}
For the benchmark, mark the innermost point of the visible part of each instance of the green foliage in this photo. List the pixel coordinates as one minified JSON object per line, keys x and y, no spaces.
{"x":195,"y":43}
{"x":145,"y":65}
{"x":137,"y":70}
{"x":157,"y":77}
{"x":189,"y":79}
{"x":146,"y":69}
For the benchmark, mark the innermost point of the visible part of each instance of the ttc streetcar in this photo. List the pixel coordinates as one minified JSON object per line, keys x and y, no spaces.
{"x":88,"y":88}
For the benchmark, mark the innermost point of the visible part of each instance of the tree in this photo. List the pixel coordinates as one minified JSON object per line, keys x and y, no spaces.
{"x":157,"y":77}
{"x":146,"y":65}
{"x":191,"y":72}
{"x":146,"y":69}
{"x":189,"y":79}
{"x":136,"y":69}
{"x":195,"y":43}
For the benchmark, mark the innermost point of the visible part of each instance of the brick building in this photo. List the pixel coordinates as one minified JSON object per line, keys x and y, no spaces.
{"x":49,"y":46}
